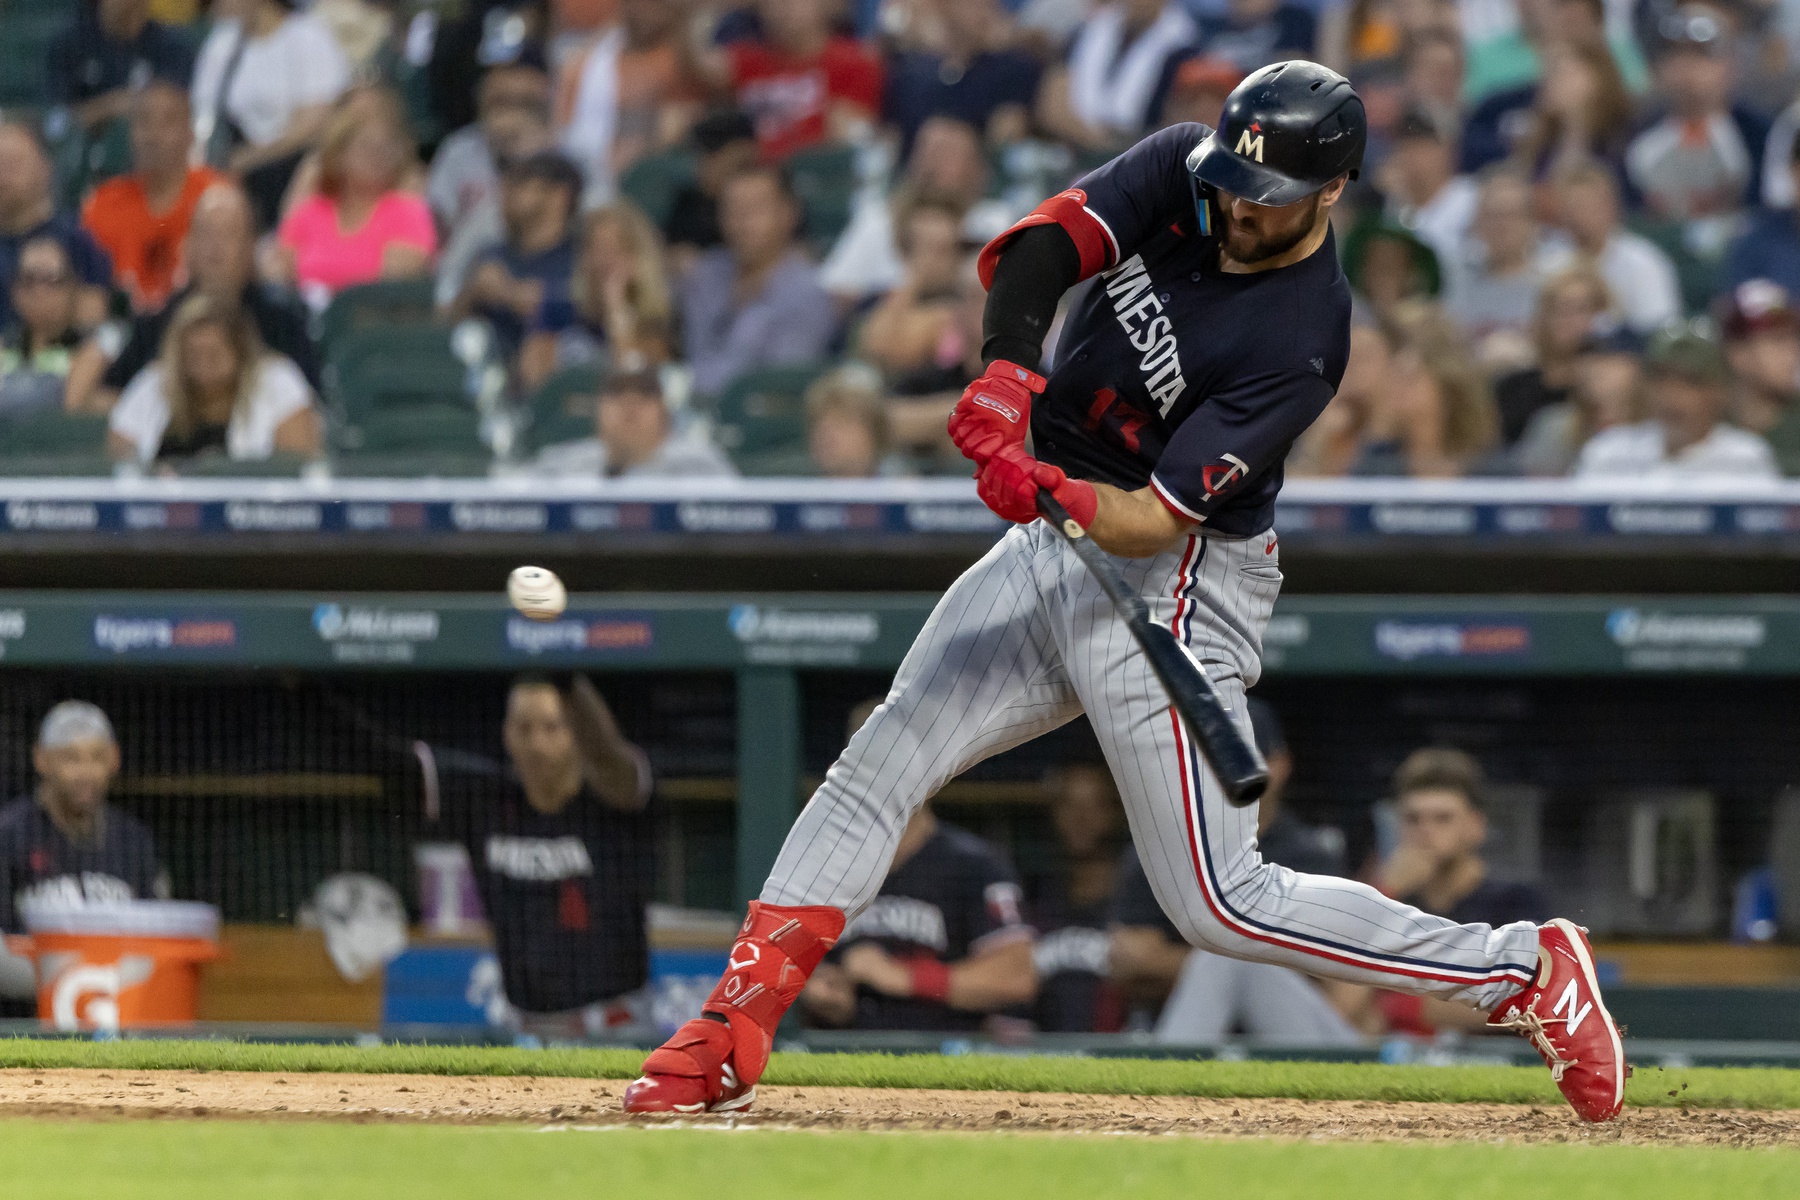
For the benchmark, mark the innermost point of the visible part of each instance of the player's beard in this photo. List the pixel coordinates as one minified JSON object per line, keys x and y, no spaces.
{"x":1244,"y":246}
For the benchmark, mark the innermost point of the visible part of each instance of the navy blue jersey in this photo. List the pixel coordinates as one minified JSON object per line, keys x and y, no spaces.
{"x":39,"y":864}
{"x":953,"y":898}
{"x":1172,"y":373}
{"x":564,"y":892}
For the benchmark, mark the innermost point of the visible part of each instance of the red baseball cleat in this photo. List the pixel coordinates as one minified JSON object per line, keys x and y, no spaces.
{"x":713,"y":1062}
{"x":1564,"y":1018}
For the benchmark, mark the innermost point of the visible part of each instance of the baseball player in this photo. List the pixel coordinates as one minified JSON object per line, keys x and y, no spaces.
{"x":1214,"y":331}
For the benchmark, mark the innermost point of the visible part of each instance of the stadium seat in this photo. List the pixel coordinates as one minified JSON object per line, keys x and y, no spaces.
{"x":218,"y":466}
{"x":765,"y":411}
{"x":825,"y":181}
{"x":55,"y":466}
{"x":653,"y":183}
{"x":387,"y":368}
{"x":371,"y":465}
{"x":52,"y":432}
{"x":26,"y":33}
{"x":421,"y":429}
{"x":562,"y":409}
{"x":376,"y":305}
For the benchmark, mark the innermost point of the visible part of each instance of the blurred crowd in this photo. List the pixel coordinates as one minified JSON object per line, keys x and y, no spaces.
{"x":740,"y":237}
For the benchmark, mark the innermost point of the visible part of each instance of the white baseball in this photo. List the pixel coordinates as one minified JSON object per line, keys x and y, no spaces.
{"x":537,"y":593}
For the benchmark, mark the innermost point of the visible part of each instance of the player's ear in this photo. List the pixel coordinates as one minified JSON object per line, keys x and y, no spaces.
{"x":1333,"y":191}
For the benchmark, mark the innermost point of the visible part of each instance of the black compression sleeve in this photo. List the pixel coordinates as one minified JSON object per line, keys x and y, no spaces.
{"x":1034,"y":270}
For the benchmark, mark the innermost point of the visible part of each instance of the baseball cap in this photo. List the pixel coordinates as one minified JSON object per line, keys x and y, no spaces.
{"x":1609,"y":335}
{"x":636,"y":381}
{"x":73,"y":721}
{"x":545,"y":165}
{"x":1417,"y":123}
{"x":1755,"y":306}
{"x":1687,"y":351}
{"x":721,"y":127}
{"x":1693,"y":27}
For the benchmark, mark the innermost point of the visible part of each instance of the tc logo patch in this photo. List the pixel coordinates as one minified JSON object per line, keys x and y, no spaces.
{"x":1218,"y":476}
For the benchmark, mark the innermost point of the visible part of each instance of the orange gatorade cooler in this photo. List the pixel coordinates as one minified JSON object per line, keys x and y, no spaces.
{"x":121,"y":966}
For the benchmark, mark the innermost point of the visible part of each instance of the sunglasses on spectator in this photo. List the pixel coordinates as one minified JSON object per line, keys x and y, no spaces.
{"x":32,"y":279}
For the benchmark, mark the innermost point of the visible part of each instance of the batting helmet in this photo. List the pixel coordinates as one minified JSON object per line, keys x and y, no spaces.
{"x":1287,"y":131}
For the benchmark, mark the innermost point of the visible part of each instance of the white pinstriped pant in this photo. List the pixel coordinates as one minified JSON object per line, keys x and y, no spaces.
{"x":1024,"y":642}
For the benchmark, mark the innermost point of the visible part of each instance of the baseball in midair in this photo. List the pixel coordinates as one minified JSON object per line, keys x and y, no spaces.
{"x":537,"y":593}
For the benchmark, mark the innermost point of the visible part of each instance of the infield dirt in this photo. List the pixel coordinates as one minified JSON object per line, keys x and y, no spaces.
{"x":488,"y":1099}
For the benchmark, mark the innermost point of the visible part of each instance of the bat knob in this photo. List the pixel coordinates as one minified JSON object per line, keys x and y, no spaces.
{"x":1246,"y":791}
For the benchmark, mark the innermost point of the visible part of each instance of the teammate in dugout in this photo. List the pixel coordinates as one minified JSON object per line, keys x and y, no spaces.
{"x":1216,"y":333}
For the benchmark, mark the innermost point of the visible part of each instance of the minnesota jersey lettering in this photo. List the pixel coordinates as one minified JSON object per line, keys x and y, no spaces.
{"x":1140,"y":315}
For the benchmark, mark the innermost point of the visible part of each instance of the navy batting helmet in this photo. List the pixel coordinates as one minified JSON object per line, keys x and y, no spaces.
{"x":1287,"y":131}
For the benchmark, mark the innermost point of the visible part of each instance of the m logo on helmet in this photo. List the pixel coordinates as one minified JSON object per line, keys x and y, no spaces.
{"x":1250,"y":147}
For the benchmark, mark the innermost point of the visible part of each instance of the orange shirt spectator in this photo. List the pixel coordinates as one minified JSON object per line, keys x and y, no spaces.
{"x":627,"y":92}
{"x":141,"y":219}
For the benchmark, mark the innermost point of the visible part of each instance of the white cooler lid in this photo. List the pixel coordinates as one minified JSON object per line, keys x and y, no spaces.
{"x":132,"y":918}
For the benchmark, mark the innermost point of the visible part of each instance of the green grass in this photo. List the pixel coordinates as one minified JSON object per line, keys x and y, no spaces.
{"x":1700,"y":1087}
{"x":225,"y":1160}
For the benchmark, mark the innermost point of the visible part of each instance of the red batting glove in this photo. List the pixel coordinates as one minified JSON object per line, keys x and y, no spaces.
{"x":995,"y":411}
{"x":1010,"y":482}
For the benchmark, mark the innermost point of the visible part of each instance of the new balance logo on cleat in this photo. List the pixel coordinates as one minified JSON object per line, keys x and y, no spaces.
{"x":1565,"y":1020}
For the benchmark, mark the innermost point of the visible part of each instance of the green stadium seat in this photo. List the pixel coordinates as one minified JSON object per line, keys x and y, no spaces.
{"x":55,"y":466}
{"x":765,"y":411}
{"x":653,"y":183}
{"x":424,"y":429}
{"x":376,"y":369}
{"x":562,"y":409}
{"x":825,"y":181}
{"x":52,"y":432}
{"x":26,"y":37}
{"x":376,"y":306}
{"x":372,"y":465}
{"x":786,"y":463}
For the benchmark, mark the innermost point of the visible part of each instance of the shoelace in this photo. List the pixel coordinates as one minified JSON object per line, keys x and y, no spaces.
{"x":1535,"y":1028}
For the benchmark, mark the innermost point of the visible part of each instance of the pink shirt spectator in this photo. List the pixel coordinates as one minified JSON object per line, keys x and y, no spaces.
{"x":328,"y":257}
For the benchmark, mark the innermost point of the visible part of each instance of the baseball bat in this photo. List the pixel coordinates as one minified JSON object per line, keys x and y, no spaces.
{"x":1232,"y":757}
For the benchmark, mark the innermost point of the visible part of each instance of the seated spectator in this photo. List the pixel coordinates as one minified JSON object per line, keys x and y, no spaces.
{"x":1199,"y":90}
{"x":906,"y":329}
{"x":214,"y":390}
{"x":65,"y":845}
{"x":509,"y":284}
{"x":1425,"y":194}
{"x":1070,"y":907}
{"x":1255,"y":33}
{"x":35,"y":354}
{"x":802,"y":84}
{"x":1432,"y":76}
{"x":1686,"y":438}
{"x":141,"y":219}
{"x":725,"y":144}
{"x":1703,"y":159}
{"x":1607,"y":392}
{"x":1508,"y":54}
{"x":626,"y":93}
{"x":942,"y":947}
{"x":1388,"y":265}
{"x":1770,"y":247}
{"x":562,"y":851}
{"x":1435,"y":417}
{"x":948,"y":166}
{"x":218,"y":261}
{"x":1493,"y":289}
{"x":1438,"y":867}
{"x":634,"y":438}
{"x":263,"y":88}
{"x":615,"y":302}
{"x":972,"y":75}
{"x":512,"y":100}
{"x":755,"y":301}
{"x":1204,"y":997}
{"x":846,"y":426}
{"x":360,"y":227}
{"x":1640,"y":276}
{"x":1582,"y":112}
{"x":1120,"y":65}
{"x":919,"y":404}
{"x":1567,"y":309}
{"x":111,"y":49}
{"x":1762,"y":343}
{"x":28,"y":211}
{"x":369,"y":104}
